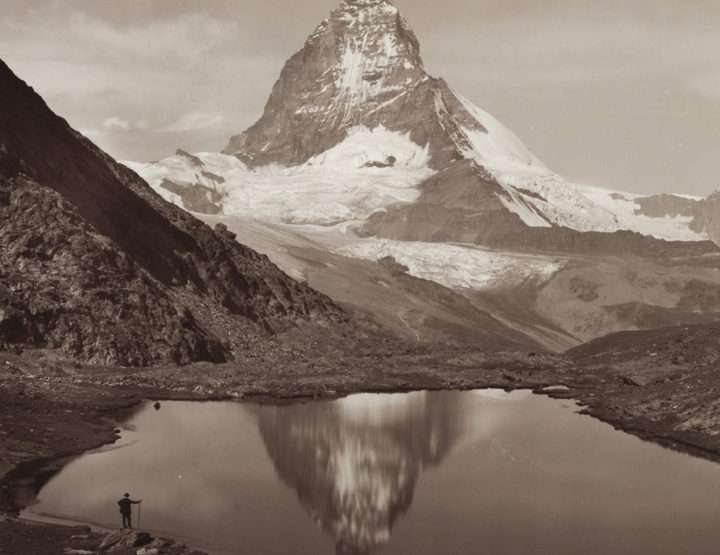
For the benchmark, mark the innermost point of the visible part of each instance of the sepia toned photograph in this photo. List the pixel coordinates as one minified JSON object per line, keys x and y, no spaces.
{"x":359,"y":277}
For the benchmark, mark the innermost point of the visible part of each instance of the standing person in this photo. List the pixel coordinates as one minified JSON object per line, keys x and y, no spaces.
{"x":126,"y":510}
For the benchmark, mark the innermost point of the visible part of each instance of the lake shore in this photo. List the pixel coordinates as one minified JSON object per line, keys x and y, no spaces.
{"x":52,"y":412}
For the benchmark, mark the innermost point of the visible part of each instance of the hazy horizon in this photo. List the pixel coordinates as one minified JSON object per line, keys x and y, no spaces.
{"x":617,"y":95}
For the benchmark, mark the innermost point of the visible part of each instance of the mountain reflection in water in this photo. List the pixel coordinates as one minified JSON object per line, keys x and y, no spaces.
{"x":483,"y":470}
{"x":355,"y":464}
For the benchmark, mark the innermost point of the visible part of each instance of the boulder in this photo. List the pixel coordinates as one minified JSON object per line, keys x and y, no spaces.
{"x":638,"y":380}
{"x":124,"y":539}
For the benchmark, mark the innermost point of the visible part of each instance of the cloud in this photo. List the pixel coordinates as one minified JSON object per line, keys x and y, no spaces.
{"x":114,"y":123}
{"x":73,"y":36}
{"x":194,"y":121}
{"x":189,"y":37}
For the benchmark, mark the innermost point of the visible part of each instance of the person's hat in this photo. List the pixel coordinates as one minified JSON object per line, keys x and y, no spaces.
{"x":127,"y":495}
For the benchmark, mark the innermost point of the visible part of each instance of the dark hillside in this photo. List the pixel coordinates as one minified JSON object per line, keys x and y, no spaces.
{"x":96,"y":264}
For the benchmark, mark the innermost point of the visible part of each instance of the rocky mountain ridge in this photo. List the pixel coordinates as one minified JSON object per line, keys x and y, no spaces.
{"x":98,"y":267}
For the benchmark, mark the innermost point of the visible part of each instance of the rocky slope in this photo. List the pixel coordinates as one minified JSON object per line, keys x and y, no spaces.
{"x":415,"y":308}
{"x":661,"y":383}
{"x":97,"y":266}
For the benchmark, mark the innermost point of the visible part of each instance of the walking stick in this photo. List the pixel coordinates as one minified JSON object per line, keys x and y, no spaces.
{"x":139,"y":514}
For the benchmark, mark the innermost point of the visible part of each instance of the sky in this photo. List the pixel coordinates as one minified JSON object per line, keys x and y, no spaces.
{"x":620,"y":94}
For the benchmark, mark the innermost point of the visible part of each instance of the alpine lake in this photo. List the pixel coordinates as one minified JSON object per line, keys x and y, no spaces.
{"x":420,"y":473}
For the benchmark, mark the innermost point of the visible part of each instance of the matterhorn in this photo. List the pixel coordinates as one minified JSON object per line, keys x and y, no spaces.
{"x":361,"y":155}
{"x":361,"y":69}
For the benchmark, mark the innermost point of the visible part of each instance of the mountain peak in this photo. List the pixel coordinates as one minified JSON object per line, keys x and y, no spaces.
{"x":361,"y":67}
{"x":357,"y":62}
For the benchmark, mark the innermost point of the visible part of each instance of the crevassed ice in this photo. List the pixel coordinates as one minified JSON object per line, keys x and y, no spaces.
{"x":456,"y":266}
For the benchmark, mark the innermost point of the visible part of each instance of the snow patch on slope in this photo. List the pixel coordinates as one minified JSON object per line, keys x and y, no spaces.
{"x":363,"y":146}
{"x":623,"y":205}
{"x":498,"y":149}
{"x":527,"y":212}
{"x":361,"y":72}
{"x":456,"y":266}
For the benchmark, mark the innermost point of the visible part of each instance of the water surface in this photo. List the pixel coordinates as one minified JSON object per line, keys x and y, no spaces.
{"x":419,"y":473}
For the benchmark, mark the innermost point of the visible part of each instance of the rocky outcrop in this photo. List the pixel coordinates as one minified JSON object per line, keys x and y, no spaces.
{"x":707,"y":217}
{"x":141,"y":543}
{"x":195,"y":197}
{"x":705,"y":213}
{"x":124,"y":539}
{"x":664,"y":206}
{"x":97,"y":265}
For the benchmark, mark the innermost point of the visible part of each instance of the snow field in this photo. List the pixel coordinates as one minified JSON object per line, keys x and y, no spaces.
{"x":331,"y":188}
{"x":671,"y":229}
